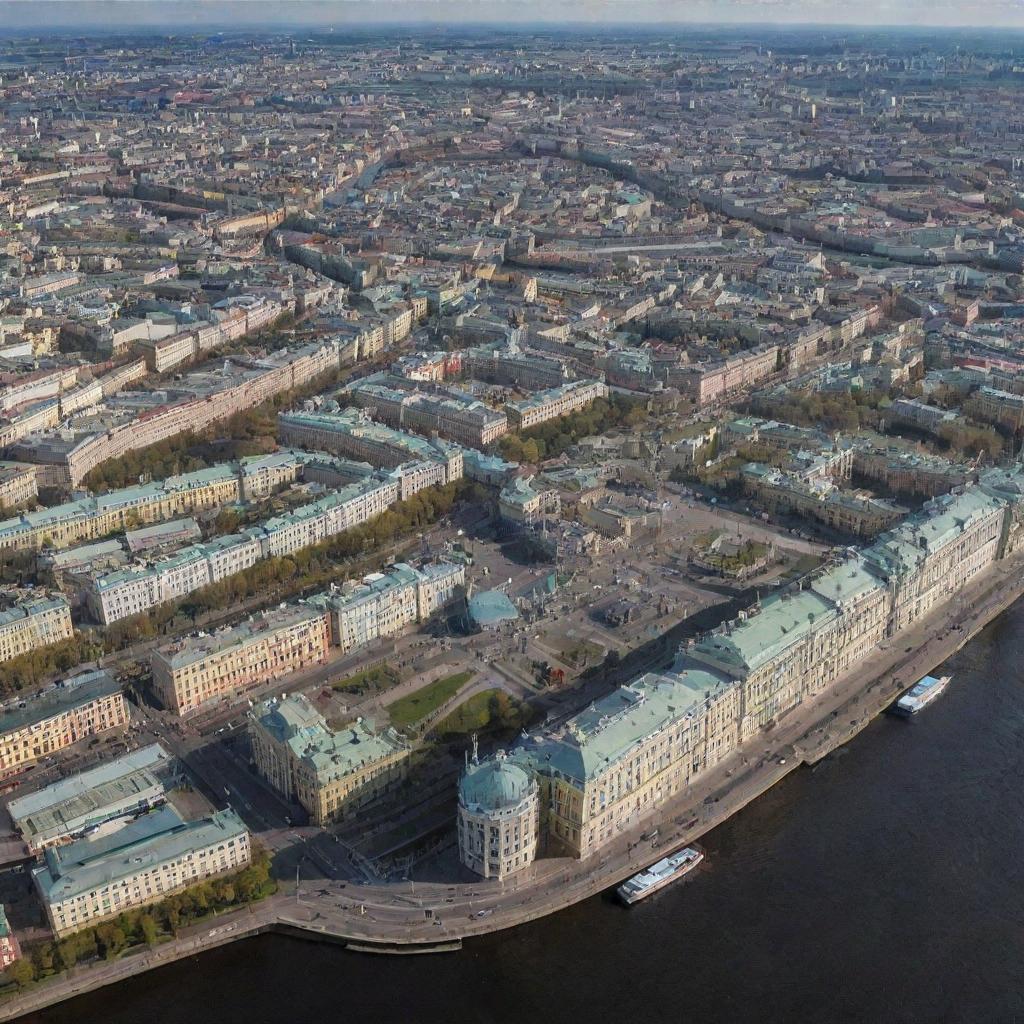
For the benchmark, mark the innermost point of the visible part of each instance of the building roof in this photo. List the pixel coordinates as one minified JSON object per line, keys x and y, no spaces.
{"x":783,"y":620}
{"x":152,"y":840}
{"x":604,"y":734}
{"x":491,"y":607}
{"x":327,"y":754}
{"x":539,"y":399}
{"x":71,"y":693}
{"x":494,"y":785}
{"x":76,"y":801}
{"x":33,"y":606}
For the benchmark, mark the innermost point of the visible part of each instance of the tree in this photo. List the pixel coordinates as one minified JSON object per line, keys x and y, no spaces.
{"x":111,"y":939}
{"x":149,"y":929}
{"x":42,"y":959}
{"x":21,"y":973}
{"x":531,"y":451}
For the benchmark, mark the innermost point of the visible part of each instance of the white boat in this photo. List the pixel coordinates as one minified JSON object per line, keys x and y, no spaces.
{"x":921,"y":694}
{"x":657,"y":876}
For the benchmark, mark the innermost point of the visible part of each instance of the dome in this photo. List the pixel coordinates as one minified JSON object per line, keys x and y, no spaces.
{"x":494,"y":785}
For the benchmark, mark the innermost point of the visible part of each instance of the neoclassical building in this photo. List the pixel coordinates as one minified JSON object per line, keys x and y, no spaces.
{"x":616,"y":762}
{"x":499,"y":817}
{"x":331,"y":773}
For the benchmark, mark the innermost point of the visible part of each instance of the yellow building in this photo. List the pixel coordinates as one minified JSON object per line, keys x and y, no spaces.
{"x":33,"y":623}
{"x":196,"y":670}
{"x":330,"y":774}
{"x":91,"y":518}
{"x":79,"y":707}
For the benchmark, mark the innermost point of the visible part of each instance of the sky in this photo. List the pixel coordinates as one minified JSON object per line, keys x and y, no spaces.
{"x":197,"y":14}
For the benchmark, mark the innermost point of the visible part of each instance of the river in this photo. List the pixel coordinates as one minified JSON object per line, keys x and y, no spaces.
{"x":886,"y":885}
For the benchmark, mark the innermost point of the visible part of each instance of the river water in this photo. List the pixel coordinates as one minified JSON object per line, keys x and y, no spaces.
{"x":886,"y":885}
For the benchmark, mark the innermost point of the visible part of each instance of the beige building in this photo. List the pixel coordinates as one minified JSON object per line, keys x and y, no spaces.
{"x":523,"y":500}
{"x":91,"y":518}
{"x":613,"y":764}
{"x":82,"y":706}
{"x":329,"y":773}
{"x":554,"y":402}
{"x":499,"y":818}
{"x":616,"y":762}
{"x":33,"y":623}
{"x":384,"y":604}
{"x":194,"y":671}
{"x":793,"y":645}
{"x":94,"y":880}
{"x":17,"y":485}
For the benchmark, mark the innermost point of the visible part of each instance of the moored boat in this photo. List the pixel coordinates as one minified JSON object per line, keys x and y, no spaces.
{"x":657,"y":876}
{"x":921,"y":694}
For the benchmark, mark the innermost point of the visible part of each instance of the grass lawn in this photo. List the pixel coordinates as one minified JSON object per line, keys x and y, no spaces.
{"x":409,"y":710}
{"x":374,"y":679}
{"x":487,"y":712}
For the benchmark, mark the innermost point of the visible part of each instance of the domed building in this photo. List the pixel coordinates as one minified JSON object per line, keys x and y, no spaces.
{"x":499,"y":817}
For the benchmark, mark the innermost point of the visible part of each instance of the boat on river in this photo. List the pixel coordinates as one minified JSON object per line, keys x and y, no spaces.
{"x":657,"y":876}
{"x":921,"y":694}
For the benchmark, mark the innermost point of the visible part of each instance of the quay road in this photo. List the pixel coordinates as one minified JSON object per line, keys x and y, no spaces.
{"x":420,"y":915}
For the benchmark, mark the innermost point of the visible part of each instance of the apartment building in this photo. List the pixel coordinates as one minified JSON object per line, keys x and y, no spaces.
{"x":82,"y":706}
{"x":1001,"y":408}
{"x":33,"y":623}
{"x":243,"y":314}
{"x":447,"y":412}
{"x":384,"y":604}
{"x":17,"y":485}
{"x":817,"y":497}
{"x":331,"y":774}
{"x":115,"y":595}
{"x":927,"y":418}
{"x":554,"y":402}
{"x":91,"y":518}
{"x":511,"y":367}
{"x":908,"y":473}
{"x":191,"y":673}
{"x":525,"y":500}
{"x":242,"y":386}
{"x":97,"y":879}
{"x":707,"y":383}
{"x":352,"y":433}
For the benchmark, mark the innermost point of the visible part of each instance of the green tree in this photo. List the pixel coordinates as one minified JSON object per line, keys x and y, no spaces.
{"x":531,"y":451}
{"x":21,"y":973}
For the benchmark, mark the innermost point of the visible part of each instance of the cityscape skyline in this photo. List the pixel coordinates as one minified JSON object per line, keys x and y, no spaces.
{"x":448,"y":470}
{"x":117,"y":15}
